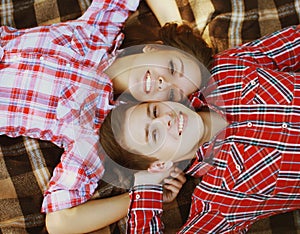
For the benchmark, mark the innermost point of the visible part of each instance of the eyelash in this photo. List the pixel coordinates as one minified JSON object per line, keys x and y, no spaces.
{"x":154,"y":111}
{"x":172,"y":67}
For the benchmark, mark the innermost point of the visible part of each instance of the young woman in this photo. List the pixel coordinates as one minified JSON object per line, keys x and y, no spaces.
{"x":244,"y":138}
{"x":57,"y":84}
{"x":156,"y":72}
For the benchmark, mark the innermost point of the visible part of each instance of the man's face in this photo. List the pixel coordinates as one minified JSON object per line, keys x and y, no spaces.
{"x":165,"y":130}
{"x":162,"y":75}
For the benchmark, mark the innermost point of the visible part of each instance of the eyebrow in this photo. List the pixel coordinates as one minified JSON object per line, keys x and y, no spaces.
{"x":148,"y":110}
{"x":147,"y":133}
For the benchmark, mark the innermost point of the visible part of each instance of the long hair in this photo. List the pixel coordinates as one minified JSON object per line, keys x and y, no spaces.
{"x":185,"y":38}
{"x":182,"y":37}
{"x":113,"y":149}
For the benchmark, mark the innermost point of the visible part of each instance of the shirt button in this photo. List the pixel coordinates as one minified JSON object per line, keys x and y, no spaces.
{"x":238,"y":167}
{"x":284,"y":125}
{"x":249,"y":124}
{"x":137,"y":197}
{"x":68,"y":65}
{"x":252,"y":82}
{"x":41,"y":58}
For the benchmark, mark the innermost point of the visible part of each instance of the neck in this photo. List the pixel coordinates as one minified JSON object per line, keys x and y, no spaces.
{"x":213,"y":123}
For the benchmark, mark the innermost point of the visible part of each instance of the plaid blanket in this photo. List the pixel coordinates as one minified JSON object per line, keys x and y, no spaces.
{"x":27,"y":164}
{"x":30,"y":13}
{"x":228,"y":23}
{"x":234,"y":22}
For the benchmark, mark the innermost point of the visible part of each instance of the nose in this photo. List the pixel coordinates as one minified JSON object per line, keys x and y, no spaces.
{"x":167,"y":119}
{"x":173,"y":92}
{"x":162,"y":84}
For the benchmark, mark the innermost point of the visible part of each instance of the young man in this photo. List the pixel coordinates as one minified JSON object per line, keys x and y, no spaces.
{"x":248,"y":142}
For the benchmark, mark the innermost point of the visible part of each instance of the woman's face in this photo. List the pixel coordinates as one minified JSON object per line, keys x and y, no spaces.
{"x":162,"y":75}
{"x":165,"y":130}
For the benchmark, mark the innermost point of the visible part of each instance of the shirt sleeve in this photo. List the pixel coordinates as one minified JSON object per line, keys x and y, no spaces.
{"x":75,"y":178}
{"x":106,"y":18}
{"x":144,"y":215}
{"x":90,"y":38}
{"x":277,"y":51}
{"x":97,"y":30}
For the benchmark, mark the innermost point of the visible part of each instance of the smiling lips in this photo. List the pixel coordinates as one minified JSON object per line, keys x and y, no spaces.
{"x":180,"y":123}
{"x":147,"y":82}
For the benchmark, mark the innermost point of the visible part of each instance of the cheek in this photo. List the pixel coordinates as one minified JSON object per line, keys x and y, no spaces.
{"x":186,"y":85}
{"x":135,"y":88}
{"x":172,"y":145}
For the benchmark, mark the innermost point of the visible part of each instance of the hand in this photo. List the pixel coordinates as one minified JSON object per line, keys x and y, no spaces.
{"x":147,"y":177}
{"x":173,"y":185}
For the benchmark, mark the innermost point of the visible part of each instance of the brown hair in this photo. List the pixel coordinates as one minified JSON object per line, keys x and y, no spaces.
{"x":111,"y":146}
{"x":182,"y":37}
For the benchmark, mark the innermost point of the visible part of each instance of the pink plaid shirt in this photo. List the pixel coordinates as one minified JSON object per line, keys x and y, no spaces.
{"x":52,"y":87}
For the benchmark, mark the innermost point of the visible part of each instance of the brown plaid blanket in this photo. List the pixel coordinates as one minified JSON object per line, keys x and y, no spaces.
{"x":241,"y":21}
{"x":26,"y":164}
{"x":228,"y":23}
{"x":29,"y":13}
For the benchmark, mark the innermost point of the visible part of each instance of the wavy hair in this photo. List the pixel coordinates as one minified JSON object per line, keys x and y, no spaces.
{"x":181,"y":36}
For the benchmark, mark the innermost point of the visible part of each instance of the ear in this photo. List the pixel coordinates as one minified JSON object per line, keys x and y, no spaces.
{"x":151,"y":47}
{"x":160,"y":166}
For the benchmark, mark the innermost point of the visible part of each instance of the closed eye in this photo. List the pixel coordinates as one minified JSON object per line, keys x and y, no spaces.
{"x":176,"y":66}
{"x":154,"y":111}
{"x":172,"y":67}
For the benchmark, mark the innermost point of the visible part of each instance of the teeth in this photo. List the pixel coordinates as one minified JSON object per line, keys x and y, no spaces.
{"x":148,"y":82}
{"x":180,"y":124}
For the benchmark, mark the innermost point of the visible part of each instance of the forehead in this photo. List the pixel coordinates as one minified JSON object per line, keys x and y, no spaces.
{"x":134,"y":121}
{"x":136,"y":110}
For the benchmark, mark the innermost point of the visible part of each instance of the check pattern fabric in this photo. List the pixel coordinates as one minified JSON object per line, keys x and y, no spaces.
{"x":225,"y":23}
{"x":231,"y":23}
{"x":27,"y":14}
{"x":53,"y":88}
{"x":26,"y":166}
{"x":266,"y":16}
{"x":250,"y":169}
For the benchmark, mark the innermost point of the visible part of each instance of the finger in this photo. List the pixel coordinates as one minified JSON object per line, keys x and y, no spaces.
{"x":173,"y":189}
{"x":178,"y":176}
{"x":176,"y":171}
{"x":173,"y":182}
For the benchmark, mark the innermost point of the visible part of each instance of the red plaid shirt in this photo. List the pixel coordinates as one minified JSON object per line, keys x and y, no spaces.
{"x":251,"y":169}
{"x":52,"y":87}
